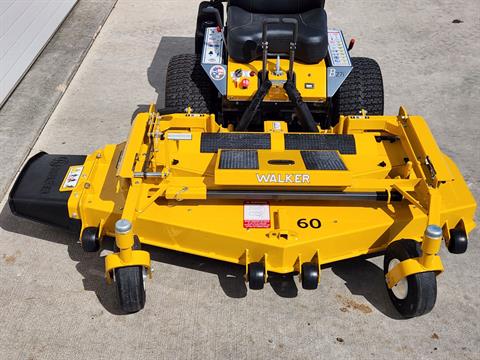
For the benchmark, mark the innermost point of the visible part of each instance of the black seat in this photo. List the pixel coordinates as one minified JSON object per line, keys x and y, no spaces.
{"x":245,"y":22}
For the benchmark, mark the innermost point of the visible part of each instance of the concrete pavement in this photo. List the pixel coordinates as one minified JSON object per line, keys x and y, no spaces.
{"x":28,"y":109}
{"x":55,"y":303}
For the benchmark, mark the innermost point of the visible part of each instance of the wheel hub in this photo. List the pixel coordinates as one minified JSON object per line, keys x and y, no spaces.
{"x":400,"y":290}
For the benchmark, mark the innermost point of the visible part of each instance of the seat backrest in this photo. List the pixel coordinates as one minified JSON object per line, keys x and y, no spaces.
{"x":277,"y":6}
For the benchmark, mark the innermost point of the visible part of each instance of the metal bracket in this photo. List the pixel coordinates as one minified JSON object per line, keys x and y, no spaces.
{"x":138,"y":258}
{"x":339,"y":60}
{"x":212,"y":59}
{"x":411,"y":266}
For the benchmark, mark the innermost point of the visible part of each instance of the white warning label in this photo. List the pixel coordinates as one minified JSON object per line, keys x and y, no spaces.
{"x":256,"y":215}
{"x":337,"y":49}
{"x":73,"y":175}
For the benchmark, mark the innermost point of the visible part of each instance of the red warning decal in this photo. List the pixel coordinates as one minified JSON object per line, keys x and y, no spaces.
{"x":256,"y":215}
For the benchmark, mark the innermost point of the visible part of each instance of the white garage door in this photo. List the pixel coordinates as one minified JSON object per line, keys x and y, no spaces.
{"x":25,"y":28}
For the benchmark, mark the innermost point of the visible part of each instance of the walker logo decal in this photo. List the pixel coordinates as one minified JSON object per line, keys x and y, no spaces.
{"x":217,"y":72}
{"x":283,"y":178}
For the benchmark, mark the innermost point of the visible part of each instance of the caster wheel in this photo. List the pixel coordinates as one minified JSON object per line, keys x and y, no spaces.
{"x":130,"y":282}
{"x":256,"y":276}
{"x":458,"y":241}
{"x":309,"y":276}
{"x":416,"y":294}
{"x":90,"y":240}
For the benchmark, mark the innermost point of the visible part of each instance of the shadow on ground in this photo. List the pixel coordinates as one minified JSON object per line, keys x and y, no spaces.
{"x":91,"y":265}
{"x":361,"y":277}
{"x":156,"y":73}
{"x":364,"y":278}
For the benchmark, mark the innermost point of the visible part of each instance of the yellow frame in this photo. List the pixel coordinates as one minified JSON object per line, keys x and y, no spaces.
{"x":313,"y":74}
{"x":172,"y":210}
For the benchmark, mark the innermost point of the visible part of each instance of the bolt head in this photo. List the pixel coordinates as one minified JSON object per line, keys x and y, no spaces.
{"x":434,"y":232}
{"x":123,"y":226}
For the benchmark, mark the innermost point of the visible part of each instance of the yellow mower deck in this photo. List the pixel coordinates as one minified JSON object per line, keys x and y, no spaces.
{"x":385,"y":184}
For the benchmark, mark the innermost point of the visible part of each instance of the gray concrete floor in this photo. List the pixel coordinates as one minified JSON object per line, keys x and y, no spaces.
{"x":28,"y":109}
{"x":55,"y":303}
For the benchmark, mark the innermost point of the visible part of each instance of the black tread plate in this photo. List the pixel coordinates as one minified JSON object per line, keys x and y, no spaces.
{"x":238,"y":159}
{"x":211,"y":142}
{"x":322,"y":160}
{"x":345,"y":144}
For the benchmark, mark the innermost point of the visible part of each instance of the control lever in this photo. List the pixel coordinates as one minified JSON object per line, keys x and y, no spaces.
{"x":293,"y":44}
{"x":214,"y":11}
{"x":254,"y":105}
{"x":266,"y":22}
{"x":351,"y":44}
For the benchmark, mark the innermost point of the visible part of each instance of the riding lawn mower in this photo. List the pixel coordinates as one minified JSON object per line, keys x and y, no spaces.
{"x":272,"y":153}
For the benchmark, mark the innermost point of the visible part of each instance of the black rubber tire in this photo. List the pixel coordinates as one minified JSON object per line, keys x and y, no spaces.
{"x":90,"y":240}
{"x":256,"y":276}
{"x":458,"y":243}
{"x":362,"y":89}
{"x":422,"y":287}
{"x":130,"y":288}
{"x":309,"y":276}
{"x":187,"y":84}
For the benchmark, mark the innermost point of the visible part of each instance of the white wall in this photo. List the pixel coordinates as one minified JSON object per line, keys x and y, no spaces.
{"x":26,"y":26}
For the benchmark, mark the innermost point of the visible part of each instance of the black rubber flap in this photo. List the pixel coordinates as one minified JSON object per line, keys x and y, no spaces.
{"x":211,"y":142}
{"x":238,"y":159}
{"x":322,"y":160}
{"x":35,"y":194}
{"x":345,"y":144}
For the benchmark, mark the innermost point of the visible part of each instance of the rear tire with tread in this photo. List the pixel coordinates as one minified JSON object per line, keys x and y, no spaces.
{"x":187,"y":85}
{"x":362,"y":89}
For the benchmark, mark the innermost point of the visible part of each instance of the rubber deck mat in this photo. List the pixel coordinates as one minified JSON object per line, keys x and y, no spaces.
{"x":322,"y":160}
{"x":238,"y":159}
{"x":211,"y":142}
{"x":345,"y":144}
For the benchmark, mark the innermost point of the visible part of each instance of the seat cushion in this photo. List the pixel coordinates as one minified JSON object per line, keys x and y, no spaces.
{"x":244,"y":35}
{"x":277,"y":6}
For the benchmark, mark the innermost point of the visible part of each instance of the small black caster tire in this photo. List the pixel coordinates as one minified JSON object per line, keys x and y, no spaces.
{"x":416,"y":294}
{"x":130,"y":288}
{"x":90,"y":240}
{"x":310,"y":276}
{"x":256,"y":276}
{"x":458,"y":241}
